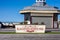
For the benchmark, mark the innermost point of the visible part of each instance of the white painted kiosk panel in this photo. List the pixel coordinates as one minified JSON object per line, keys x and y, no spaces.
{"x":30,"y":28}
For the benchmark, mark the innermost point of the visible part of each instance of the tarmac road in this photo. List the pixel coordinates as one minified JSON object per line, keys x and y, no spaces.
{"x":29,"y":36}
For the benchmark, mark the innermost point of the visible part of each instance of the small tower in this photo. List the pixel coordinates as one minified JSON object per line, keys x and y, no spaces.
{"x":42,"y":2}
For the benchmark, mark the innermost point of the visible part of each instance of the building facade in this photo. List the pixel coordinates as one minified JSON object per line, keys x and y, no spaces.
{"x":41,"y":13}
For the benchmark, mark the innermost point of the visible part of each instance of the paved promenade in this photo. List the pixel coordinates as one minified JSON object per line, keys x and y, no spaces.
{"x":29,"y":36}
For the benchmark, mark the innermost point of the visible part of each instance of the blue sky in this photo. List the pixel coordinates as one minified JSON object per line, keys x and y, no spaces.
{"x":9,"y":9}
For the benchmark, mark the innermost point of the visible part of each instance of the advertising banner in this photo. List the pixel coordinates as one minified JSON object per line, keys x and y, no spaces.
{"x":30,"y":28}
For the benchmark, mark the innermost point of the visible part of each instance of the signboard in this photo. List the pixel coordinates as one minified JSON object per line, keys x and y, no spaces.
{"x":30,"y":28}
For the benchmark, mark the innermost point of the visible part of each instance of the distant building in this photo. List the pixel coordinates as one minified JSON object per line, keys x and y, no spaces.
{"x":9,"y":24}
{"x":41,"y":13}
{"x":16,"y":23}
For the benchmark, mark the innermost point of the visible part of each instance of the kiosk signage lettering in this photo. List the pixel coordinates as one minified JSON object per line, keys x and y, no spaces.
{"x":30,"y":28}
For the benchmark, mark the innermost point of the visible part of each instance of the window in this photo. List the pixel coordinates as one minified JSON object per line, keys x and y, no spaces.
{"x":40,"y":0}
{"x":43,"y":0}
{"x":37,"y":0}
{"x":27,"y":18}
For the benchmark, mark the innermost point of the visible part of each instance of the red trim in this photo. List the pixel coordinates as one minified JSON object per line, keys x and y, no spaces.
{"x":57,"y":21}
{"x":53,"y":21}
{"x":30,"y":20}
{"x":57,"y":26}
{"x":24,"y":17}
